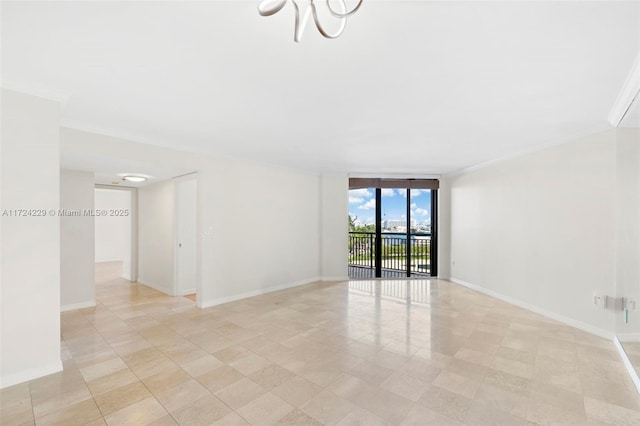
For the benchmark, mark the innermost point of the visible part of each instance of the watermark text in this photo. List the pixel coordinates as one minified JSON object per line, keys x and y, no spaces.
{"x":65,"y":212}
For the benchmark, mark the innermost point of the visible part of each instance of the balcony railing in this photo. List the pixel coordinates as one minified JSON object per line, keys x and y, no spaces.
{"x":362,"y":246}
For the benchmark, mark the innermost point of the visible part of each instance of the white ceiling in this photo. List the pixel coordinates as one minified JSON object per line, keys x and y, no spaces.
{"x":411,"y":87}
{"x":110,"y":170}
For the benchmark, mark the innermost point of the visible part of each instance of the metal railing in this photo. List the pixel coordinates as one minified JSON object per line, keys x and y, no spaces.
{"x":362,"y":246}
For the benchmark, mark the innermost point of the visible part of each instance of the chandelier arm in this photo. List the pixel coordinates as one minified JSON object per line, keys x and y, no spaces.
{"x":345,"y":13}
{"x":297,"y":21}
{"x":271,"y":7}
{"x":296,"y":32}
{"x":267,"y":9}
{"x":343,"y":23}
{"x":300,"y":25}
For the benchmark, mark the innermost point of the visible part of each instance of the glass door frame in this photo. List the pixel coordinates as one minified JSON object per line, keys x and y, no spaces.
{"x":433,"y":246}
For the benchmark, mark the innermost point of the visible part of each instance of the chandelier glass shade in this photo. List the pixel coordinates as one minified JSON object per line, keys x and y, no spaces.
{"x":271,"y":7}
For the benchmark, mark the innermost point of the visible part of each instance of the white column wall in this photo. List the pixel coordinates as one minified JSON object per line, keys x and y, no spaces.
{"x":335,"y":227}
{"x":29,"y":245}
{"x":444,"y":229}
{"x":77,"y":241}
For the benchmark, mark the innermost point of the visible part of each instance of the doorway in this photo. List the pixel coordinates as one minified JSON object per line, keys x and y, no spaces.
{"x":114,"y":231}
{"x":393,"y":228}
{"x":186,"y":193}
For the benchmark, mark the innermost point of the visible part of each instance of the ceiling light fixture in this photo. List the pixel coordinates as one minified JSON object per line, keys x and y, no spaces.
{"x":132,"y":178}
{"x":271,"y":7}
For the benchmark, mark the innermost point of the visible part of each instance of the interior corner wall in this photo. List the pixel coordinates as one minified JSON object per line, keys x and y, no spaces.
{"x":156,"y":236}
{"x":628,"y":231}
{"x":539,"y":230}
{"x":444,"y":229}
{"x":77,"y":245}
{"x":29,"y":238}
{"x":334,"y":227}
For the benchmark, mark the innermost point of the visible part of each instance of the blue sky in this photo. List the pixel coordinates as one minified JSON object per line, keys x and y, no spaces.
{"x":362,"y":203}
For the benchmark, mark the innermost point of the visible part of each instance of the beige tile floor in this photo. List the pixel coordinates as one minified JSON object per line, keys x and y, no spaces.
{"x":633,"y":353}
{"x":419,"y":352}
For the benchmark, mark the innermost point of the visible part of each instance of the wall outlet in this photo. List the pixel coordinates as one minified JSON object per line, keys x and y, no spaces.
{"x":600,"y":301}
{"x":597,"y":299}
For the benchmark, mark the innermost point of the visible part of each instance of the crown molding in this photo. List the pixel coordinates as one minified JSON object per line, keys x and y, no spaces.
{"x":627,"y":94}
{"x":592,"y":130}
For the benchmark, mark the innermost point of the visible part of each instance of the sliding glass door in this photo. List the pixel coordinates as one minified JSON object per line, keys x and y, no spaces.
{"x":392,"y":232}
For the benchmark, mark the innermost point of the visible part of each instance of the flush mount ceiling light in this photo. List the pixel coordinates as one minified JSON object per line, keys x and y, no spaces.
{"x":271,"y":7}
{"x":133,"y":178}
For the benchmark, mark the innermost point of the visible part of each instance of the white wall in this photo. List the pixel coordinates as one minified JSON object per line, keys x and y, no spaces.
{"x":113,"y":231}
{"x":156,"y":233}
{"x":334,"y":226}
{"x":539,"y":230}
{"x":628,"y":230}
{"x":77,"y":267}
{"x":258,"y":226}
{"x":444,"y":229}
{"x":264,"y":226}
{"x":29,"y":245}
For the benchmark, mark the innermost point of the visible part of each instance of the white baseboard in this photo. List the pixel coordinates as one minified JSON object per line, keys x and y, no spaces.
{"x":538,"y":310}
{"x":30,"y":374}
{"x":126,"y":277}
{"x":81,"y":305}
{"x":222,"y":300}
{"x":627,"y":363}
{"x":335,"y":278}
{"x":155,"y":287}
{"x":628,"y":337}
{"x":188,"y":291}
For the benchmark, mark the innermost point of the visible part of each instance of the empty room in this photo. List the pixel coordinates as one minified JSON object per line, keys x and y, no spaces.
{"x":320,"y":212}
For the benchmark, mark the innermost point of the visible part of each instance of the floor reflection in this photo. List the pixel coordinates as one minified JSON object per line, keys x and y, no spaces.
{"x":370,"y":272}
{"x":406,"y":291}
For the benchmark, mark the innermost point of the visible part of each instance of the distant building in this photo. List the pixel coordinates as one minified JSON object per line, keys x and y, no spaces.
{"x":397,"y":225}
